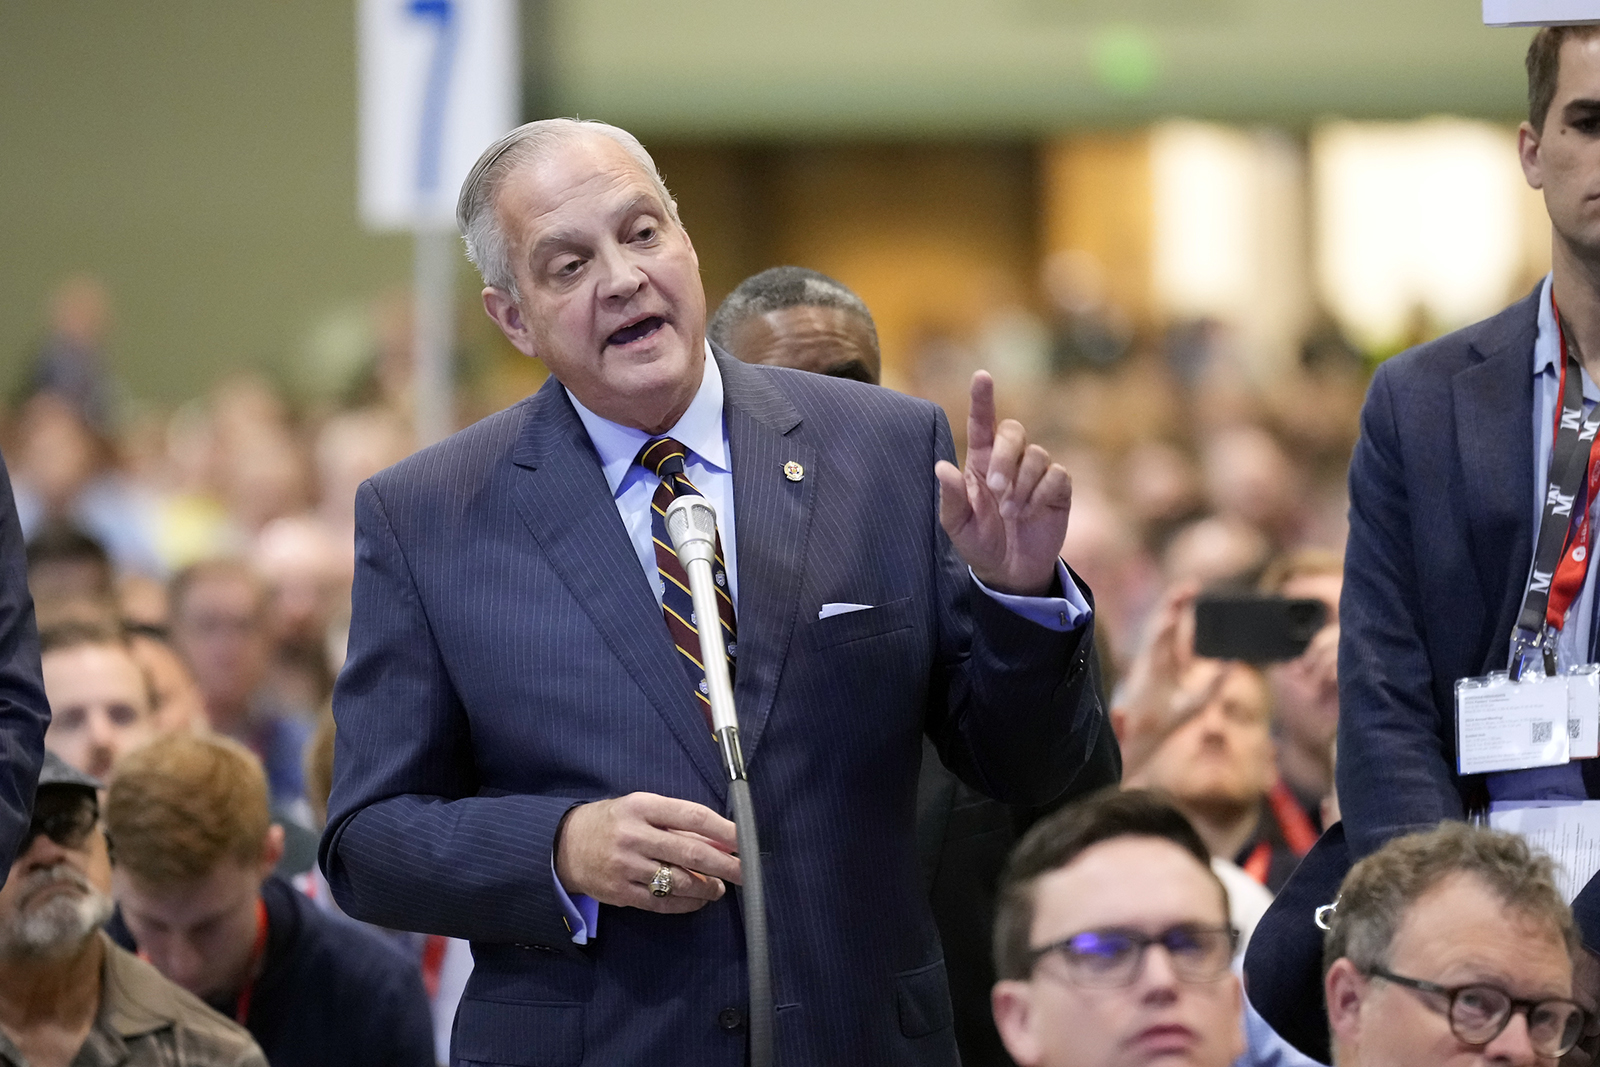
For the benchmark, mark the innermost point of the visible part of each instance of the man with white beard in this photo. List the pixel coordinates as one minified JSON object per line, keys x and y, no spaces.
{"x":68,"y":996}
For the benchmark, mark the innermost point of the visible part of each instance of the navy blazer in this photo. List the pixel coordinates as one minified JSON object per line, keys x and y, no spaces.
{"x":508,"y":661}
{"x":1441,"y":538}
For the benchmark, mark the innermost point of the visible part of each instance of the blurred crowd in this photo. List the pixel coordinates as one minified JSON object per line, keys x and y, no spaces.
{"x":192,"y":574}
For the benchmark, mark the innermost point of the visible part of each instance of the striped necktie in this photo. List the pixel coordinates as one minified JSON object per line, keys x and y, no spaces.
{"x":664,"y":457}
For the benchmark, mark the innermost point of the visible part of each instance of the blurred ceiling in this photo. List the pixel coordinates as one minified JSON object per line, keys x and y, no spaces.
{"x":922,"y":68}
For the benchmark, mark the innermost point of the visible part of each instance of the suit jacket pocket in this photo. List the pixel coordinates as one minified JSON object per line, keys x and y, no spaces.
{"x":859,"y":625}
{"x":502,"y":1033}
{"x":923,"y":997}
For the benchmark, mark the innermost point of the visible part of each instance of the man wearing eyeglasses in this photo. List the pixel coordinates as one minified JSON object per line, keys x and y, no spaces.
{"x":1452,"y":946}
{"x":1112,"y":942}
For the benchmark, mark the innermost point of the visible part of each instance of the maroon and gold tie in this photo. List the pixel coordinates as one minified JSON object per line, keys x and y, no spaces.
{"x":664,"y":457}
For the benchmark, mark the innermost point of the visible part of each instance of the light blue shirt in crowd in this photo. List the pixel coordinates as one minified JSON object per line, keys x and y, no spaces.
{"x":703,"y":432}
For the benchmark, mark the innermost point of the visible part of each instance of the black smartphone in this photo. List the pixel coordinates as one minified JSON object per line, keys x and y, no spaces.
{"x":1254,"y":627}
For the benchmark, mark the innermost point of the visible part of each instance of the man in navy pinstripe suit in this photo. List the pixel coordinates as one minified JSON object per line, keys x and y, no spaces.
{"x":520,"y":751}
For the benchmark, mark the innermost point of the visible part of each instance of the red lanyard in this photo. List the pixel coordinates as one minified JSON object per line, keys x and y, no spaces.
{"x":1297,"y":829}
{"x":1260,"y":862}
{"x":1574,"y":565}
{"x":241,"y":1007}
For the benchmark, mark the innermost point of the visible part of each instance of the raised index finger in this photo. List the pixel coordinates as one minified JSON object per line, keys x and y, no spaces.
{"x":980,"y":420}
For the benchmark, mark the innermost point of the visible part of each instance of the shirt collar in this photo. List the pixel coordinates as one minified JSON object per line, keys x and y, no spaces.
{"x":699,"y":430}
{"x":1546,"y":342}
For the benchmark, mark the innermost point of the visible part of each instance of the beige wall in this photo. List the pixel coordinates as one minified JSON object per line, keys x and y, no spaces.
{"x":201,"y":156}
{"x":201,"y":159}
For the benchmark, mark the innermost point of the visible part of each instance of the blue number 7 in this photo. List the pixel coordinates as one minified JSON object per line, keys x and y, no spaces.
{"x":441,"y":14}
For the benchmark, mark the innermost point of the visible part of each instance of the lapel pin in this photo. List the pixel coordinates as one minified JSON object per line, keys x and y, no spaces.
{"x":793,"y":471}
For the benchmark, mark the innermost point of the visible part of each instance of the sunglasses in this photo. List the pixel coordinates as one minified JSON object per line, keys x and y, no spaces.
{"x":65,"y":816}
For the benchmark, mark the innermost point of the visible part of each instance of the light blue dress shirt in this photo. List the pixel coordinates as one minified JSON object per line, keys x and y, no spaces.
{"x":703,"y":431}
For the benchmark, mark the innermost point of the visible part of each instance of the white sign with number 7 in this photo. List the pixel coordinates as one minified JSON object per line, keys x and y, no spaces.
{"x":440,"y":80}
{"x":1539,"y":12}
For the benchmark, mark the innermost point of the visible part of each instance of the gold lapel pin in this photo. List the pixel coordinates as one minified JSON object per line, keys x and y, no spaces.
{"x":793,"y":471}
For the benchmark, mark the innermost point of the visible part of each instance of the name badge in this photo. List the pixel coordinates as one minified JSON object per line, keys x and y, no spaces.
{"x":1583,"y":710}
{"x":1503,"y":725}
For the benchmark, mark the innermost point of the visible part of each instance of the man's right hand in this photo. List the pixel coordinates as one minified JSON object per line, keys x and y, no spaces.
{"x":610,"y":849}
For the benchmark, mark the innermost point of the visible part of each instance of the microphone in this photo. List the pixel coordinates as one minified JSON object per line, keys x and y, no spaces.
{"x":691,"y":524}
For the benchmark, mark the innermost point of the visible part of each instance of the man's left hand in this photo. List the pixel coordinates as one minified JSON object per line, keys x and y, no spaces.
{"x":1006,"y":513}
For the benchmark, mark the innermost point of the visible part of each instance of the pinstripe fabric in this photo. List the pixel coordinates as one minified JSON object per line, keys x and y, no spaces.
{"x":664,"y":457}
{"x":508,"y":660}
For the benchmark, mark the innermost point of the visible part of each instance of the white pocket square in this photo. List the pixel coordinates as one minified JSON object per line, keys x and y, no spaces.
{"x":830,"y":610}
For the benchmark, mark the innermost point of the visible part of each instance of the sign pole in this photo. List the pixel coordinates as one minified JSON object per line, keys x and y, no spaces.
{"x":439,"y":81}
{"x":433,"y":334}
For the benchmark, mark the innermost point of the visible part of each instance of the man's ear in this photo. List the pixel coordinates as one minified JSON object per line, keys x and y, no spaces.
{"x":1343,"y":989}
{"x":271,"y":849}
{"x":1237,"y":1012}
{"x":1528,"y":155}
{"x":1012,"y":1004}
{"x":507,"y":314}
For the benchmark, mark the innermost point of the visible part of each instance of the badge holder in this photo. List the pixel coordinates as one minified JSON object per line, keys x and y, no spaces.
{"x":1583,"y":710}
{"x":1506,"y":725}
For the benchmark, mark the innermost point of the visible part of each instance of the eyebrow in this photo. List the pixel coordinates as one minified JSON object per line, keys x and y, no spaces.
{"x":1581,"y":105}
{"x":643,"y":203}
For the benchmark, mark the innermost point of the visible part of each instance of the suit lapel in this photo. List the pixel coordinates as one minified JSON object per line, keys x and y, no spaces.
{"x":774,"y":523}
{"x":1494,"y":429}
{"x":563,"y":498}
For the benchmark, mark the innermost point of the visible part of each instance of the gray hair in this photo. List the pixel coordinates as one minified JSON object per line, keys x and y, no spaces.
{"x":1380,"y":890}
{"x":475,"y":208}
{"x":780,"y":288}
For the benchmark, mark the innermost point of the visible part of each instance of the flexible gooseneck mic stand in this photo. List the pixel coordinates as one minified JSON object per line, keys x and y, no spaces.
{"x":692,"y":526}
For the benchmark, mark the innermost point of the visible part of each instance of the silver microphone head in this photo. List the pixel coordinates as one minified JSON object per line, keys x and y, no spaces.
{"x":691,"y":521}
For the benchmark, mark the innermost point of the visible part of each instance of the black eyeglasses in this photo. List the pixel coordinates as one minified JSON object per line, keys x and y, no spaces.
{"x":1114,"y":956}
{"x":65,"y":816}
{"x":1479,"y":1013}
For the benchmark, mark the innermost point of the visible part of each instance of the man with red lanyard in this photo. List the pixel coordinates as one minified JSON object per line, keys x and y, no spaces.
{"x":193,"y":855}
{"x":1470,"y":489}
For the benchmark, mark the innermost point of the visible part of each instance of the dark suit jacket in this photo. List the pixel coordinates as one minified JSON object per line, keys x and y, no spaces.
{"x":24,"y":712}
{"x":508,"y":660}
{"x":1441,"y":537}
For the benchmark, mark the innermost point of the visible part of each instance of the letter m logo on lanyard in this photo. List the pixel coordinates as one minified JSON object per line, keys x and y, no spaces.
{"x":1561,"y":557}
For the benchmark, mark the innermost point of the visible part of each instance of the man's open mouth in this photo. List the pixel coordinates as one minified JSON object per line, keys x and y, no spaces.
{"x":634,"y":331}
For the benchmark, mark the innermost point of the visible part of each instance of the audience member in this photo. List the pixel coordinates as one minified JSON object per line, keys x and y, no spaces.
{"x":64,"y":472}
{"x":794,"y":317}
{"x":219,"y":628}
{"x":176,"y":703}
{"x":1112,"y":942}
{"x":1305,"y":690}
{"x":68,"y":995}
{"x":99,"y":697}
{"x":1218,"y":767}
{"x":1249,"y":478}
{"x":1216,"y":550}
{"x":70,"y":362}
{"x":1452,"y":946}
{"x":66,"y":565}
{"x":194,"y":852}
